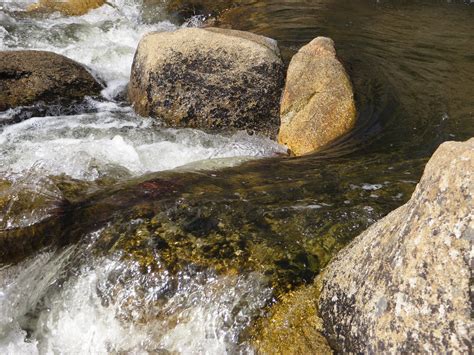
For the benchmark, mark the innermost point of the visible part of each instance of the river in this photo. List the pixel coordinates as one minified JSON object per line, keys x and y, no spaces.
{"x":222,"y":224}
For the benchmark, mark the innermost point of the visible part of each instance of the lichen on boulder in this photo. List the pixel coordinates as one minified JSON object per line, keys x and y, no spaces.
{"x":210,"y":79}
{"x":28,"y":77}
{"x":405,"y":284}
{"x":317,"y":105}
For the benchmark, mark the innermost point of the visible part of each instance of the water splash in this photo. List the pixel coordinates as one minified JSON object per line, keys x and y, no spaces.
{"x":114,"y":306}
{"x":118,"y":143}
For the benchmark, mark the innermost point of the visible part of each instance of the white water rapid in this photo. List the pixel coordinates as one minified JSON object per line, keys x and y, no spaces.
{"x":59,"y":303}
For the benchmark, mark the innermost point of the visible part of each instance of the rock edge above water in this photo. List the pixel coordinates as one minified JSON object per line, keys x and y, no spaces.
{"x":210,"y":79}
{"x":317,"y":105}
{"x":28,"y":77}
{"x":404,"y":284}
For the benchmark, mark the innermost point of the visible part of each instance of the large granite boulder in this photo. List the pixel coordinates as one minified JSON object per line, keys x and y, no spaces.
{"x":67,"y":7}
{"x":405,"y":284}
{"x":209,"y":78}
{"x":29,"y":77}
{"x":318,"y":102}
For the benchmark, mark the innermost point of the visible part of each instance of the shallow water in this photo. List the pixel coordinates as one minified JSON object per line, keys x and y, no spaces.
{"x":277,"y":220}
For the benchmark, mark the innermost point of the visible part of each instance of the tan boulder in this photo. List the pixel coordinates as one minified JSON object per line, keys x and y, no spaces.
{"x":67,"y":7}
{"x":405,"y":284}
{"x":29,"y":77}
{"x":318,"y":102}
{"x":209,"y":78}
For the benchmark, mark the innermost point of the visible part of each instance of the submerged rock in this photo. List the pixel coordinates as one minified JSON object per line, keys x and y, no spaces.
{"x":209,"y":78}
{"x":67,"y":7}
{"x":404,"y":284}
{"x":318,"y":103}
{"x":292,"y":326}
{"x":188,"y":8}
{"x":29,"y":77}
{"x":28,"y":206}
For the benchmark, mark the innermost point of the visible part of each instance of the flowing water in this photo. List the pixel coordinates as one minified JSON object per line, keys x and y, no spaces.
{"x":171,"y":240}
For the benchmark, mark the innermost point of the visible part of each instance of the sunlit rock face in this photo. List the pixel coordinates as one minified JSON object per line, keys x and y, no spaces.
{"x":209,"y":78}
{"x":404,"y":284}
{"x":28,"y":77}
{"x":317,"y":105}
{"x":67,"y":7}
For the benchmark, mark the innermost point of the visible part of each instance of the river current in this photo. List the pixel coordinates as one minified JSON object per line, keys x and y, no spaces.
{"x":412,"y":65}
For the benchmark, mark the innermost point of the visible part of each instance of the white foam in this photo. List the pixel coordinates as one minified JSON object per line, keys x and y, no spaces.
{"x":111,"y":306}
{"x":105,"y":39}
{"x":117,"y":142}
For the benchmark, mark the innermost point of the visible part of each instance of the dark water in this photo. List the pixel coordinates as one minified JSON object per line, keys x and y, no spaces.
{"x":412,"y":65}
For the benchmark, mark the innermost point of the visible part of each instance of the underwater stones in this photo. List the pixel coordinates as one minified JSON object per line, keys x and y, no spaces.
{"x":292,"y":326}
{"x":404,"y":284}
{"x":67,"y":7}
{"x":29,"y":77}
{"x":28,"y":208}
{"x":188,"y":8}
{"x":318,"y":102}
{"x":209,"y":78}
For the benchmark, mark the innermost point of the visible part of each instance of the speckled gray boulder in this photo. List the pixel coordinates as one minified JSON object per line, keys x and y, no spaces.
{"x":209,"y":78}
{"x":403,"y":286}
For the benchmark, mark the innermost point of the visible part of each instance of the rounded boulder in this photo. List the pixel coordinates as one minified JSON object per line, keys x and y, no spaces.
{"x":29,"y":77}
{"x":210,"y":79}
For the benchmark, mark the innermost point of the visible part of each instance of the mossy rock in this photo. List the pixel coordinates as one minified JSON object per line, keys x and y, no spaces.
{"x":292,"y":326}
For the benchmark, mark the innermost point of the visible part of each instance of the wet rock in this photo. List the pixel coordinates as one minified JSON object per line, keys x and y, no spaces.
{"x":209,"y":78}
{"x":67,"y":7}
{"x":292,"y":326}
{"x":404,"y":284}
{"x":318,"y":103}
{"x":28,"y":207}
{"x":29,"y":77}
{"x":188,"y":8}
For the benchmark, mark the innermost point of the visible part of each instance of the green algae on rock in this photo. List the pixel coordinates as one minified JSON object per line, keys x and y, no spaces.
{"x":292,"y":326}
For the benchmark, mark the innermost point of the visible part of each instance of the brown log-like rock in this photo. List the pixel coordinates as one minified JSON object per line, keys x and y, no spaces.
{"x":67,"y":7}
{"x":29,"y":77}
